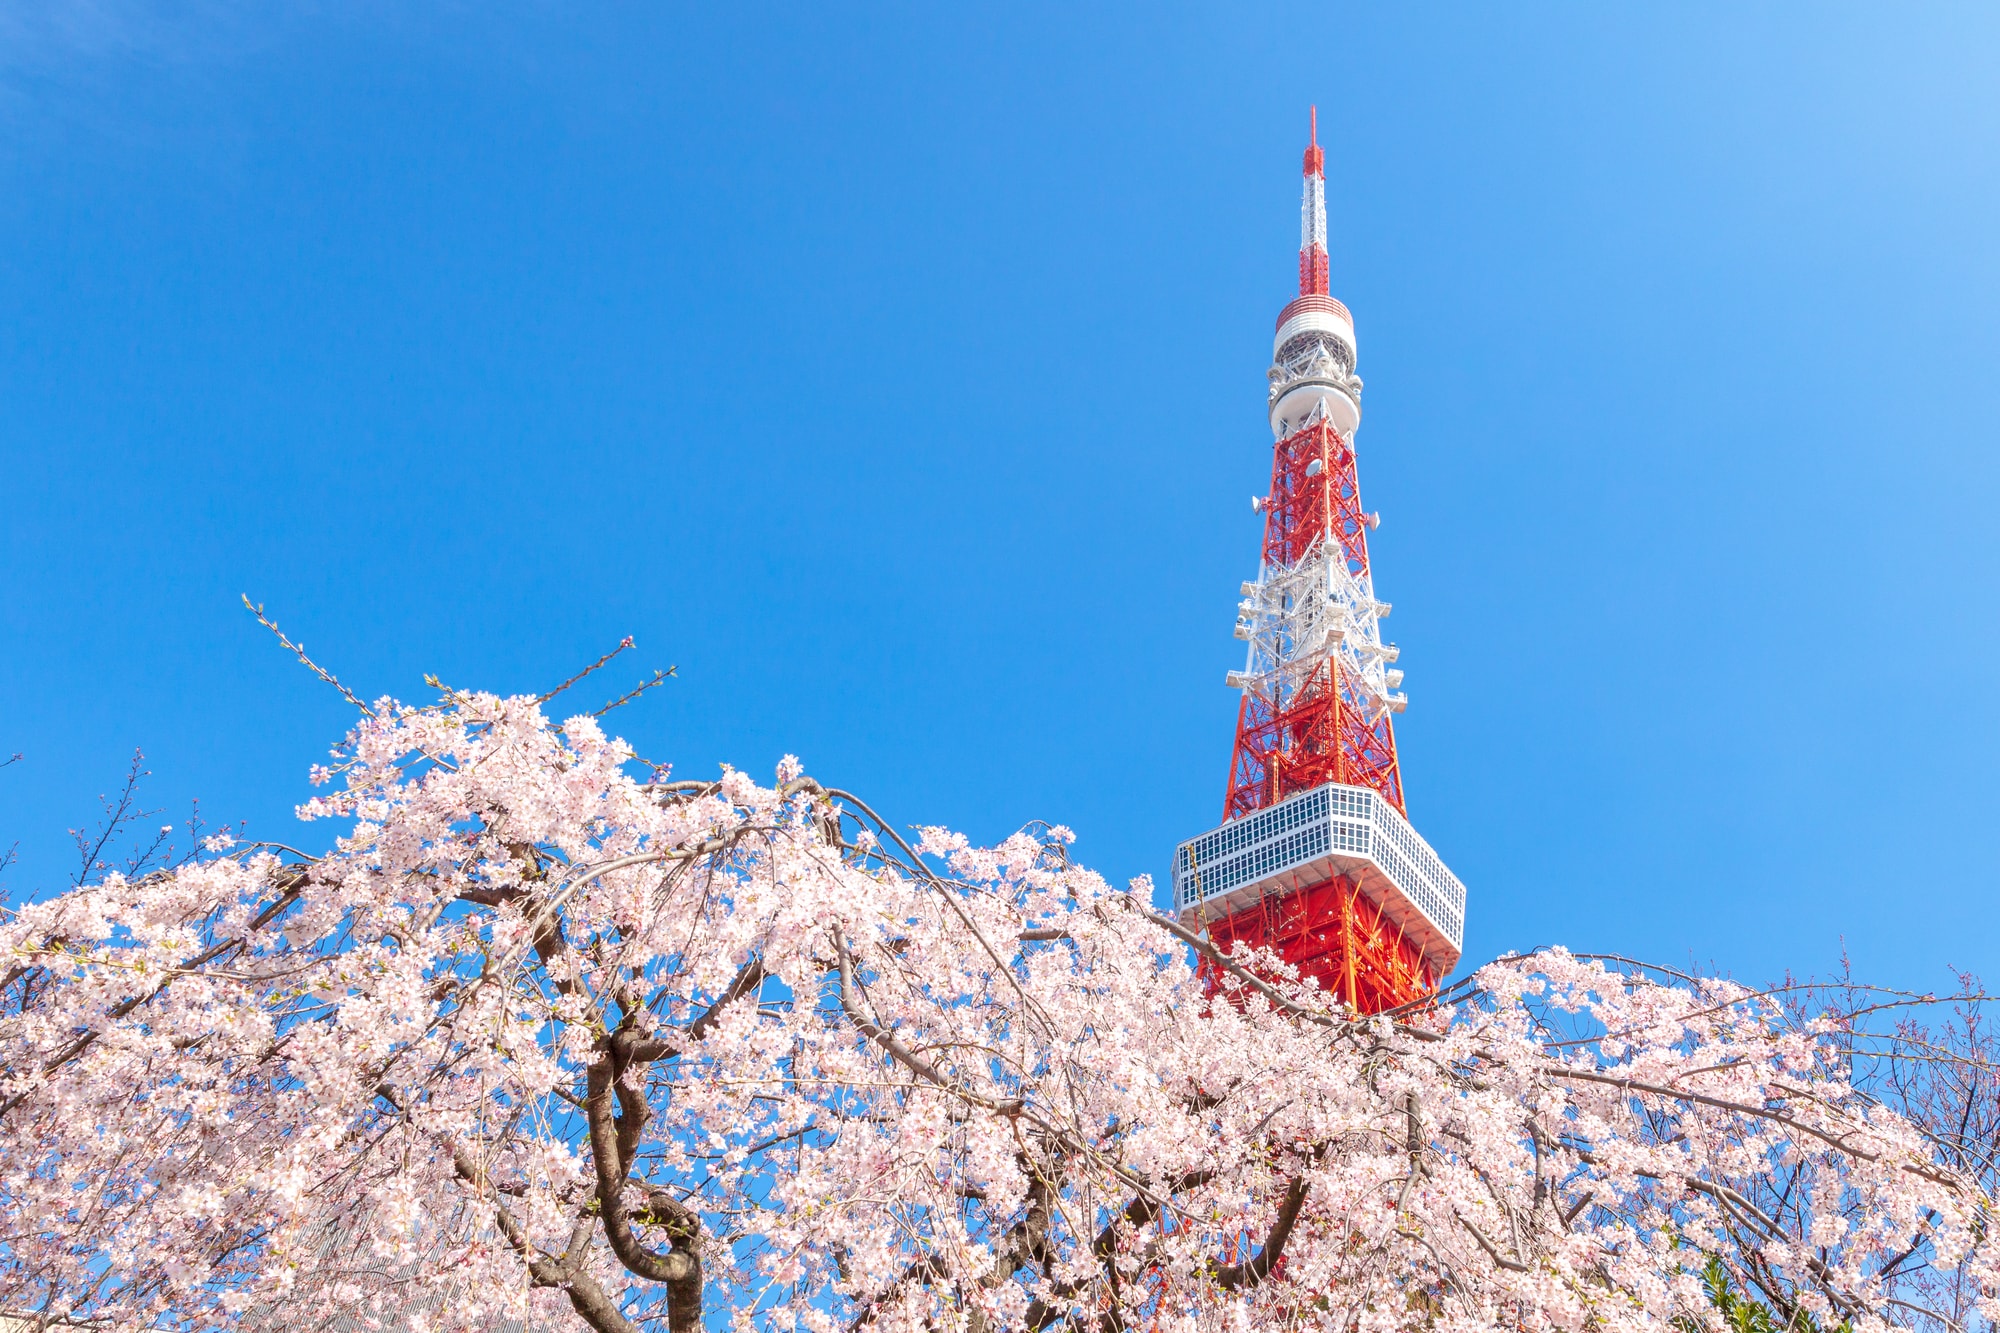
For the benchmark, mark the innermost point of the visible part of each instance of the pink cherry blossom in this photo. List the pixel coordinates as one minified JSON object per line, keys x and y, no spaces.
{"x":542,"y":1041}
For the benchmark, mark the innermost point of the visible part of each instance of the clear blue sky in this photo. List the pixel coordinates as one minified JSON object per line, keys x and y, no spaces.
{"x":899,"y":376}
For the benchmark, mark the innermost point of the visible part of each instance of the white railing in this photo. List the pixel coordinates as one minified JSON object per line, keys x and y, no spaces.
{"x":1318,"y":833}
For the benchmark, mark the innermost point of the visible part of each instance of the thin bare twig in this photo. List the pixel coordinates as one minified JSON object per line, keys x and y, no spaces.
{"x":623,"y":644}
{"x":257,"y":609}
{"x":659,"y":677}
{"x":117,"y":814}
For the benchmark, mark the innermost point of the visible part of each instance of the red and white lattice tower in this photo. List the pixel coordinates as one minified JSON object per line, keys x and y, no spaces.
{"x":1316,"y":858}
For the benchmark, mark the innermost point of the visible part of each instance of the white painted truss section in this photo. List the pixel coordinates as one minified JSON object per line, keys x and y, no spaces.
{"x":1310,"y":838}
{"x":1312,"y":214}
{"x":1297,"y":616}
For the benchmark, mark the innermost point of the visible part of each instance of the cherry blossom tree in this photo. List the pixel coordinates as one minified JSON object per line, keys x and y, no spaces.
{"x":548,"y":1039}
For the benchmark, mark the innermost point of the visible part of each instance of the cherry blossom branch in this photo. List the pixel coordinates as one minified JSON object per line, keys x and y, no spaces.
{"x":547,"y":695}
{"x":586,"y":1295}
{"x":898,"y":1050}
{"x":950,"y":897}
{"x":293,"y":886}
{"x":964,"y":1125}
{"x":657,"y":678}
{"x":1718,"y":1103}
{"x":117,"y":814}
{"x":1243,"y":974}
{"x":257,"y":609}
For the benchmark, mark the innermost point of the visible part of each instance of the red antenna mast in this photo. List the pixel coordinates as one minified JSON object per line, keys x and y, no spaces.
{"x":1313,"y":276}
{"x":1316,"y":857}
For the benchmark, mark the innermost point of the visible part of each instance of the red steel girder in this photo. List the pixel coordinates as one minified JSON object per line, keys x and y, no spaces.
{"x":1335,"y":933}
{"x":1324,"y":731}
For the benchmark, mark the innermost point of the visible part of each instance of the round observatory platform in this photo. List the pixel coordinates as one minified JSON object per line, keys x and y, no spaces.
{"x":1312,"y":365}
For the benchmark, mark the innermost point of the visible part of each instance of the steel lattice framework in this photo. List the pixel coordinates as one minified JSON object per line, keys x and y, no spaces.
{"x":1340,"y":935}
{"x":1318,"y":690}
{"x":1320,"y":694}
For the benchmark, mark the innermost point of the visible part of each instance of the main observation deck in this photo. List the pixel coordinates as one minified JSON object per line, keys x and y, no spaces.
{"x":1328,"y":831}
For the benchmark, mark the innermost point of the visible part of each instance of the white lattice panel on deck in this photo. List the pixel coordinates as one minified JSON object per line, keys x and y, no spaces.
{"x":1313,"y":836}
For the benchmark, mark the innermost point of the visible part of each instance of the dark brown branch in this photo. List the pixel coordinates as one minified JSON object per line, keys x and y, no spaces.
{"x":492,"y":897}
{"x":1254,"y":1272}
{"x":1492,"y":1251}
{"x":678,"y":1268}
{"x":928,"y":1268}
{"x":643,"y":1050}
{"x":586,"y":1295}
{"x":1138,"y":1214}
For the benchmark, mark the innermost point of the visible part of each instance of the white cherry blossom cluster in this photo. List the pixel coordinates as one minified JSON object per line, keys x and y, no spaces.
{"x":541,"y":1042}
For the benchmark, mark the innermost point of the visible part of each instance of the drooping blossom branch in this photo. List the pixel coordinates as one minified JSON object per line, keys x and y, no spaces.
{"x":541,"y":1040}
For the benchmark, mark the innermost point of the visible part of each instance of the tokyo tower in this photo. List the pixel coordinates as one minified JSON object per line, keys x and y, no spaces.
{"x":1316,"y":858}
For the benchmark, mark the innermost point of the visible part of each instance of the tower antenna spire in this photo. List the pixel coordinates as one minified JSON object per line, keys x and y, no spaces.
{"x":1315,"y":857}
{"x":1314,"y":276}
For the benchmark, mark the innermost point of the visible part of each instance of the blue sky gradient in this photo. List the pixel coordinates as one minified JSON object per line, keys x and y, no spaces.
{"x":899,"y":376}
